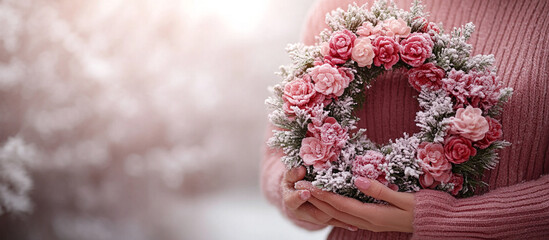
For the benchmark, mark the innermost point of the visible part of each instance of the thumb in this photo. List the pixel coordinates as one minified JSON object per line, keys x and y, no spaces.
{"x":377,"y":190}
{"x":295,"y":174}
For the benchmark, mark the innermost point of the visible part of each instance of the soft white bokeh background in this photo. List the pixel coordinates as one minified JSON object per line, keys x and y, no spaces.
{"x":139,"y":119}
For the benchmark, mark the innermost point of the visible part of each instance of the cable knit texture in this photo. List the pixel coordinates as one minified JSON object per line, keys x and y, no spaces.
{"x":517,"y":203}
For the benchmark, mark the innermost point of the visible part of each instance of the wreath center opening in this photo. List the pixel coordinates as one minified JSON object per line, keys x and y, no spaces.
{"x":390,"y":107}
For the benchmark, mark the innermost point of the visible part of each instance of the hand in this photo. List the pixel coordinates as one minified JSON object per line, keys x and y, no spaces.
{"x":295,"y":201}
{"x":396,"y":217}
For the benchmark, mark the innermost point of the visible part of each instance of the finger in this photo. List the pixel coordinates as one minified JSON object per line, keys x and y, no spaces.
{"x":294,"y":199}
{"x":310,"y":213}
{"x":348,"y":218}
{"x":339,"y":224}
{"x":295,"y":174}
{"x":374,"y":213}
{"x":375,"y":189}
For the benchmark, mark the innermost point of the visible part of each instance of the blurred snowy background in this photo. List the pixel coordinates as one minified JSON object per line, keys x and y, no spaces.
{"x":139,"y":119}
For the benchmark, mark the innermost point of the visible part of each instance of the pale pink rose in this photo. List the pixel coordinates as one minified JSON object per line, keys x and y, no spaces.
{"x":494,"y":133}
{"x":329,"y":133}
{"x":427,"y":75}
{"x":458,"y":149}
{"x":341,"y":44}
{"x":385,"y":51}
{"x":329,"y":80}
{"x":396,"y":27}
{"x":325,"y":49}
{"x":433,"y":163}
{"x":416,"y":48}
{"x":369,"y":165}
{"x":457,"y":180}
{"x":363,"y":52}
{"x":469,"y":123}
{"x":316,"y":154}
{"x":368,"y":30}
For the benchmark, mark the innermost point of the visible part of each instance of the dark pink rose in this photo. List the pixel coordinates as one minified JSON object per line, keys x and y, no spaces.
{"x":386,"y":51}
{"x":458,"y":149}
{"x":433,"y":163}
{"x":431,"y":27}
{"x":315,"y":153}
{"x":457,"y":180}
{"x":329,"y":133}
{"x":341,"y":45}
{"x":416,"y":48}
{"x":427,"y":181}
{"x":427,"y":75}
{"x":369,"y":165}
{"x":329,"y":80}
{"x":494,"y":133}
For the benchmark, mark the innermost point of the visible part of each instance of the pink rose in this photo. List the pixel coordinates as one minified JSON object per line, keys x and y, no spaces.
{"x":363,"y":52}
{"x":457,"y":180}
{"x":341,"y":45}
{"x":368,"y":30}
{"x":329,"y":80}
{"x":314,"y":153}
{"x":330,"y":132}
{"x":427,"y":75}
{"x":469,"y":123}
{"x":368,"y":165}
{"x":458,"y":149}
{"x":431,"y":27}
{"x":386,"y":52}
{"x":494,"y":133}
{"x":300,"y":93}
{"x":433,"y":163}
{"x":396,"y":27}
{"x":416,"y":48}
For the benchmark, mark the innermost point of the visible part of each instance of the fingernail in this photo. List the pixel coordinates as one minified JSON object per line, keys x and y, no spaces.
{"x":362,"y":183}
{"x":304,"y":195}
{"x":300,"y":184}
{"x":352,"y":228}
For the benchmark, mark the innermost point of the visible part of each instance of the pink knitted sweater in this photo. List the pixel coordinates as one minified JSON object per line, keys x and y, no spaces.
{"x":517,"y":204}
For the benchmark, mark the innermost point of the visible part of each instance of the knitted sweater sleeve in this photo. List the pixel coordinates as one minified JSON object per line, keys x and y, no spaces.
{"x":272,"y":171}
{"x":518,"y":211}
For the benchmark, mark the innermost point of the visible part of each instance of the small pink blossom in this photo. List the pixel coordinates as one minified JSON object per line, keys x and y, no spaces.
{"x":434,"y":164}
{"x":329,"y":80}
{"x":416,"y":48}
{"x":478,"y":89}
{"x":457,"y":180}
{"x":368,"y":30}
{"x":329,"y":133}
{"x":369,"y":165}
{"x":325,"y":49}
{"x":363,"y":52}
{"x":469,"y":123}
{"x":385,"y":51}
{"x":427,"y":75}
{"x":458,"y":149}
{"x":316,"y":154}
{"x":431,"y":27}
{"x":396,"y":27}
{"x":494,"y":133}
{"x":341,"y":45}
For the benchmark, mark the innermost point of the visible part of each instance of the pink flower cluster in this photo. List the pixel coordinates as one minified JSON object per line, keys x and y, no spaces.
{"x":478,"y":89}
{"x":369,"y":166}
{"x":467,"y":129}
{"x":323,"y":143}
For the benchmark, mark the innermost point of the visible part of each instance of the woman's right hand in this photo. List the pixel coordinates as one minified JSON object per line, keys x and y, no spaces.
{"x":296,"y":202}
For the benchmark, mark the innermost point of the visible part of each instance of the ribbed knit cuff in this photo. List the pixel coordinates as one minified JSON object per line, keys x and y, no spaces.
{"x":519,"y":211}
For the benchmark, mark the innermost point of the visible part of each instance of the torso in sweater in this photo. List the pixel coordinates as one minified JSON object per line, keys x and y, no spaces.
{"x":517,"y":33}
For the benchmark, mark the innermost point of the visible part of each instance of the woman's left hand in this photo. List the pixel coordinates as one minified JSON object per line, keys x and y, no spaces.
{"x":395,"y":217}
